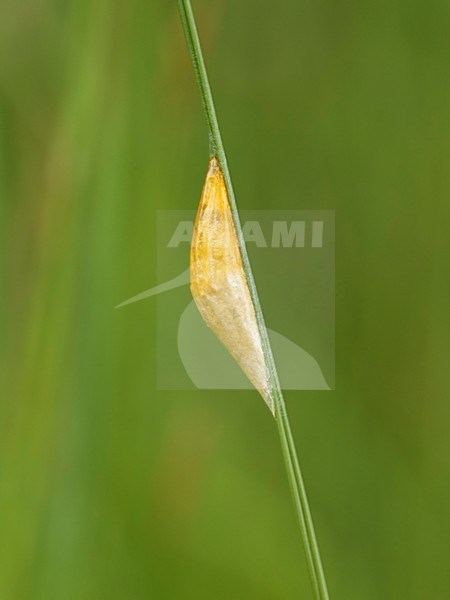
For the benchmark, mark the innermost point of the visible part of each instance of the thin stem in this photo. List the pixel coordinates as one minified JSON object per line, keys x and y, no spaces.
{"x":287,"y":442}
{"x":300,"y":498}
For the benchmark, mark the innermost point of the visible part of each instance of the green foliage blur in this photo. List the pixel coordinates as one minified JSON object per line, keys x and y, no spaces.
{"x":112,"y":490}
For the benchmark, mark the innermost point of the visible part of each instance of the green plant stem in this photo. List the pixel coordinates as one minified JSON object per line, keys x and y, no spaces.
{"x":287,"y":442}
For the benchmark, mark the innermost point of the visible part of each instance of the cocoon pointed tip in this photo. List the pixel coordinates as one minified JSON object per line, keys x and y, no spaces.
{"x":218,"y":283}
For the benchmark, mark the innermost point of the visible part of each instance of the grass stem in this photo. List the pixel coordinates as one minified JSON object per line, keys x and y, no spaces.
{"x":295,"y":478}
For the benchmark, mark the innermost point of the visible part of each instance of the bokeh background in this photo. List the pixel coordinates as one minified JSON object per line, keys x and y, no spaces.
{"x":110,"y":489}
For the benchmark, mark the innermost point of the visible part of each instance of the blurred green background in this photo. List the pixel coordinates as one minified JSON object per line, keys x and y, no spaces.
{"x":110,"y":489}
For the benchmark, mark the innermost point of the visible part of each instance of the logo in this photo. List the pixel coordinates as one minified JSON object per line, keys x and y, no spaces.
{"x":292,"y":257}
